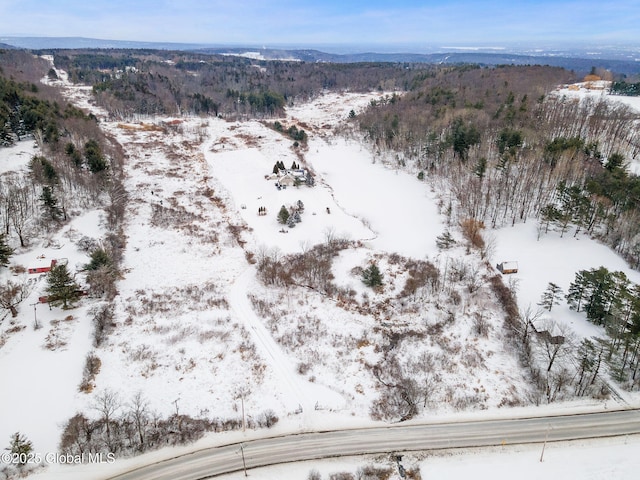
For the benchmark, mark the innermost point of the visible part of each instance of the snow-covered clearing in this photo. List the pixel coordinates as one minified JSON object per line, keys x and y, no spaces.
{"x":554,"y":259}
{"x":355,"y":198}
{"x":177,"y":339}
{"x":399,"y":209}
{"x":242,"y":174}
{"x":597,"y":90}
{"x":297,"y":393}
{"x":17,"y":157}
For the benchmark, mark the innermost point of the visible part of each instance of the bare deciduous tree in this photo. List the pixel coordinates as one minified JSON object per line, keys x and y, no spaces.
{"x":107,"y":404}
{"x":12,"y":294}
{"x":138,"y":413}
{"x":21,"y":206}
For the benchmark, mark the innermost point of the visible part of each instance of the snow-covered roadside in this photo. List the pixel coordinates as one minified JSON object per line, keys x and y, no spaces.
{"x":292,"y":394}
{"x":597,"y":460}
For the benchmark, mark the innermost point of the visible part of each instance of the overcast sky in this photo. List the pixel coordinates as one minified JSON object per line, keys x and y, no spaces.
{"x":326,"y":22}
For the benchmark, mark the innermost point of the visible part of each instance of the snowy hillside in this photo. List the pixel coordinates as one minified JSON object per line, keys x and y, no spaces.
{"x":199,"y":328}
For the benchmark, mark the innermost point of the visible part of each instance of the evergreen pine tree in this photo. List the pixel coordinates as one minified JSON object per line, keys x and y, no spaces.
{"x":95,"y":160}
{"x":62,"y":289}
{"x":283,"y":215}
{"x":601,"y":287}
{"x":50,"y":203}
{"x":634,"y":320}
{"x":549,"y":215}
{"x":445,"y":240}
{"x":45,"y":168}
{"x":5,"y":250}
{"x":551,"y":296}
{"x":599,"y":291}
{"x":615,"y":162}
{"x":371,"y":276}
{"x":99,"y":258}
{"x":577,"y":291}
{"x":74,"y":154}
{"x":310,"y":180}
{"x":480,"y":168}
{"x":6,"y":136}
{"x":21,"y":447}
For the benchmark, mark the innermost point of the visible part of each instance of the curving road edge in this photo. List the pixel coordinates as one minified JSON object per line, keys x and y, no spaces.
{"x":211,"y":462}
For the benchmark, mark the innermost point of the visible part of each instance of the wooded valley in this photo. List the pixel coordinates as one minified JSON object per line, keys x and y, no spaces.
{"x":500,"y":146}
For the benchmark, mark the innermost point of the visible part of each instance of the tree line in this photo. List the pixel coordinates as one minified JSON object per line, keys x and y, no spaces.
{"x":625,"y":88}
{"x":130,"y":427}
{"x":512,"y":150}
{"x":181,"y":82}
{"x":610,"y":300}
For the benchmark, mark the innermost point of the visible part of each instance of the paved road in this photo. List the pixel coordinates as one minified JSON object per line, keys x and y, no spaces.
{"x":399,"y":438}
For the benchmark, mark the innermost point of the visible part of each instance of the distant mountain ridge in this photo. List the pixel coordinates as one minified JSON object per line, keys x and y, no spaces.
{"x":579,"y":65}
{"x":43,"y":43}
{"x":581,"y":61}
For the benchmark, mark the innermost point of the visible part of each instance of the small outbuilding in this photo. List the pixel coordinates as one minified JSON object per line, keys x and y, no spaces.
{"x":43,"y":267}
{"x":507,"y":267}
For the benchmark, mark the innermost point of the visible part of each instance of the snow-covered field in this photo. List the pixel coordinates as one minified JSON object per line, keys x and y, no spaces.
{"x":187,"y":333}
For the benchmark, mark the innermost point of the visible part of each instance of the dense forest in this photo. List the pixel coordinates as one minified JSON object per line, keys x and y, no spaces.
{"x":511,"y":150}
{"x":141,"y":82}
